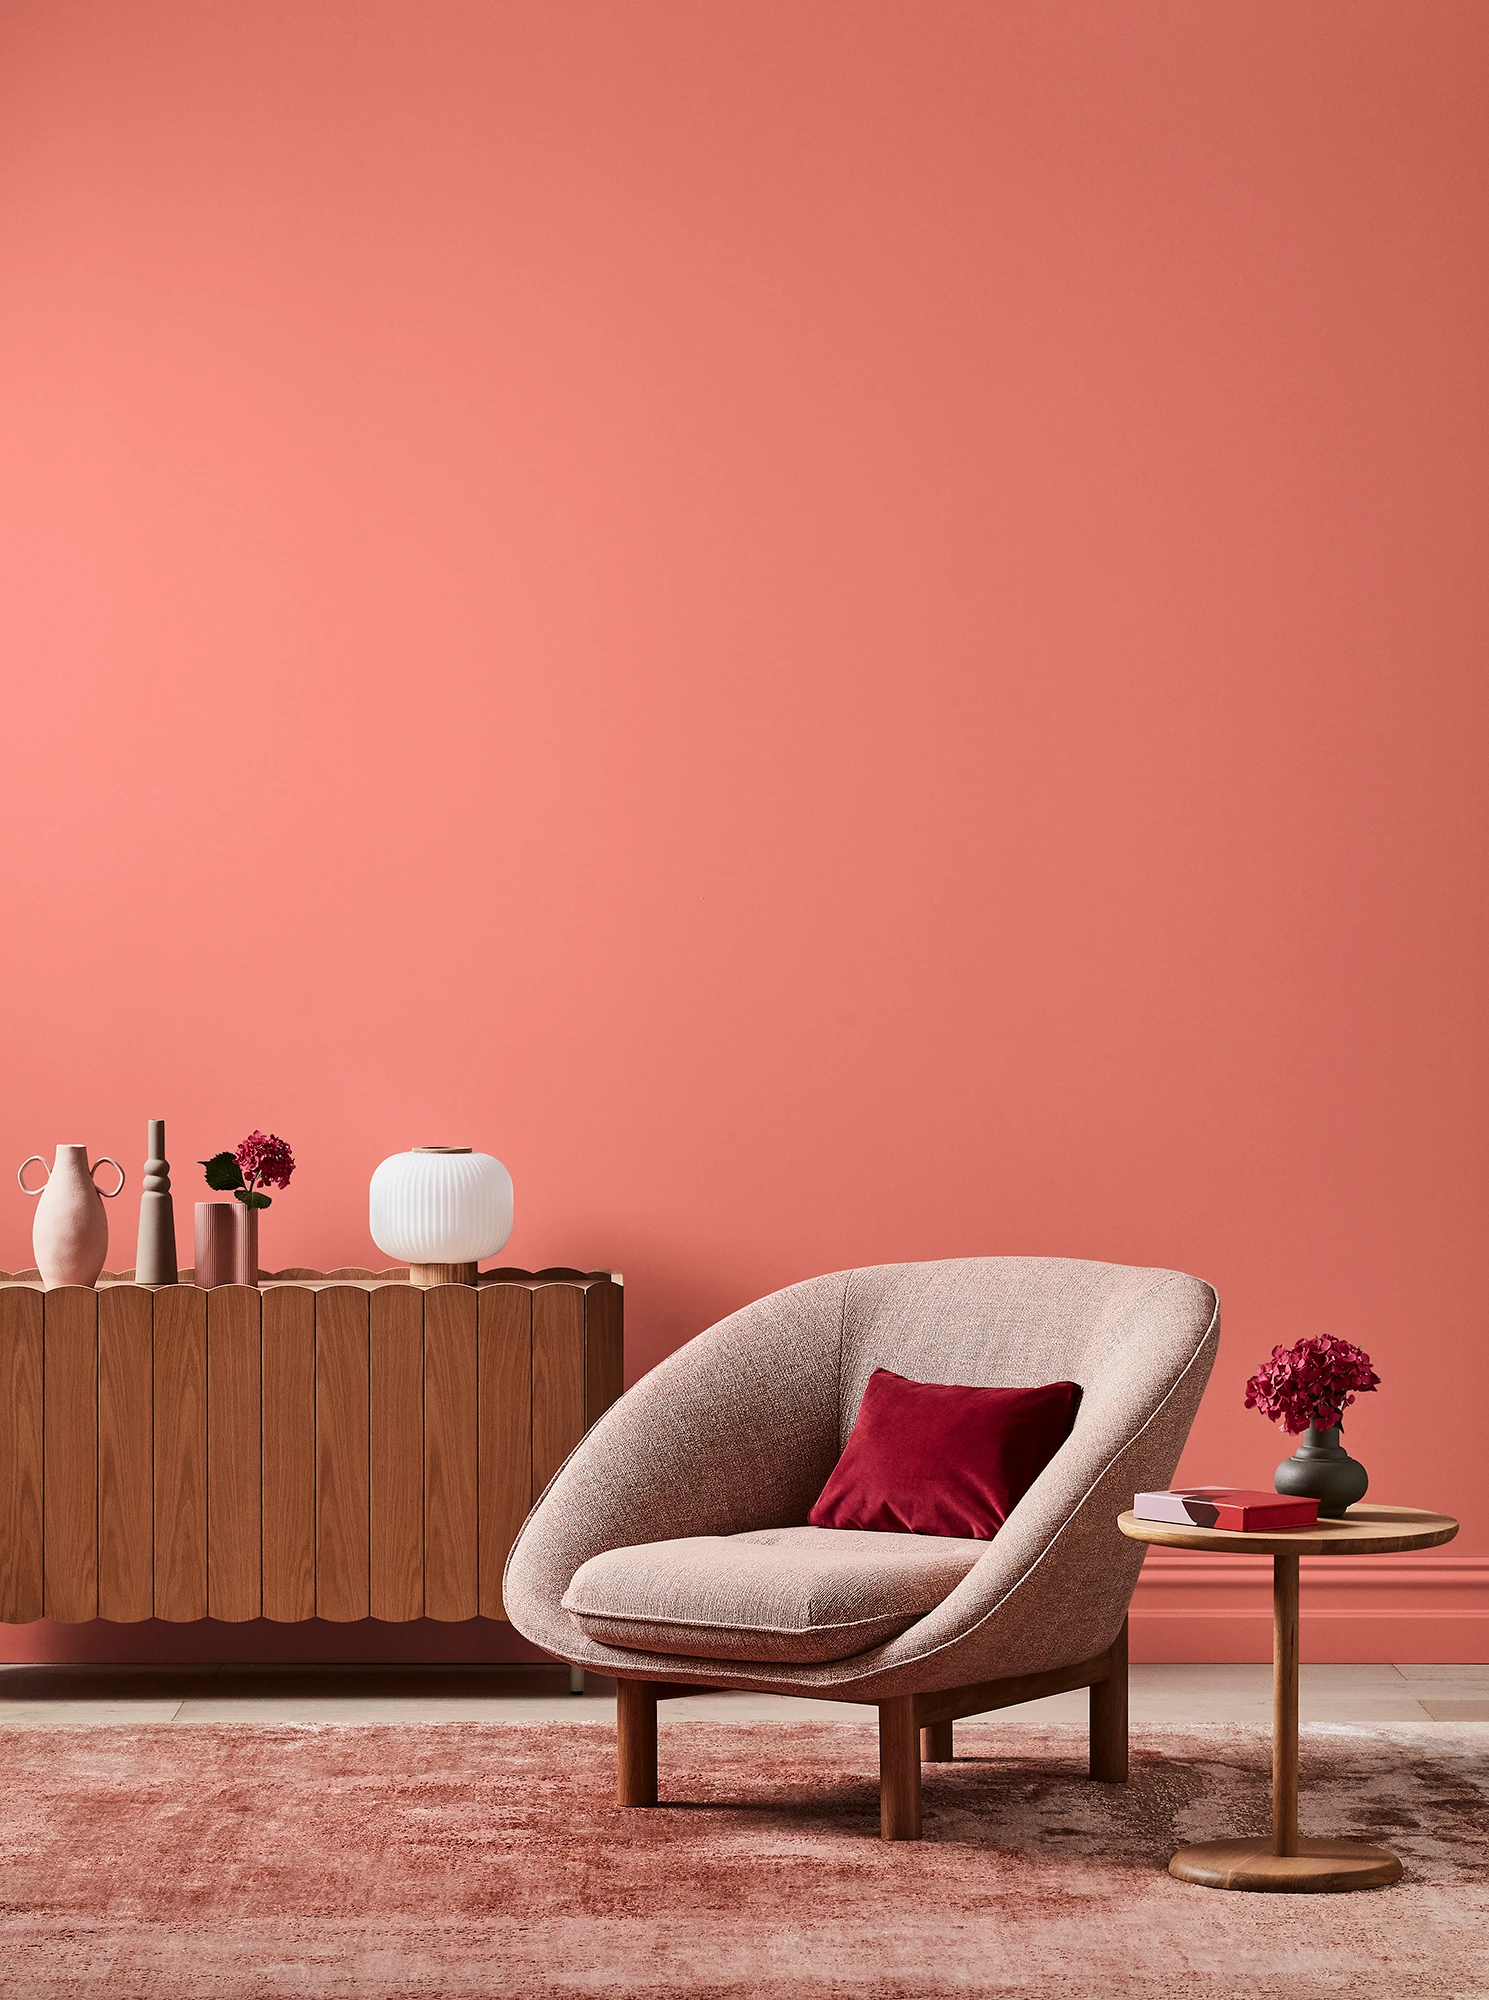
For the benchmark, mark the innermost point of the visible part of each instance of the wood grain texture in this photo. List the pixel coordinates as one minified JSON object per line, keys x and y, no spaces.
{"x":604,"y":1348}
{"x":21,"y":1591}
{"x":558,"y":1378}
{"x":937,"y":1743}
{"x":1108,"y":1718}
{"x":949,"y":1704}
{"x":287,"y":1452}
{"x":288,"y":1371}
{"x":899,"y":1769}
{"x":234,"y":1455}
{"x":126,"y":1455}
{"x":1285,"y":1704}
{"x":1363,"y":1531}
{"x":451,"y":1563}
{"x":635,"y":1743}
{"x":342,"y":1550}
{"x":1322,"y":1867}
{"x":396,"y":1351}
{"x":70,"y":1452}
{"x":505,"y":1441}
{"x":180,"y":1409}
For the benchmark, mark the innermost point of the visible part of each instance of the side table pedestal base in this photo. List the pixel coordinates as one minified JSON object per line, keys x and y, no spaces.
{"x":1319,"y":1867}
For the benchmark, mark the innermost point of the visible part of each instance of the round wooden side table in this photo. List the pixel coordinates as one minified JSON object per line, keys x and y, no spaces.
{"x":1286,"y":1861}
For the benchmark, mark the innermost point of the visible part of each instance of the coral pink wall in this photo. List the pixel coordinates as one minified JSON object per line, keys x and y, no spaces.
{"x":846,"y":631}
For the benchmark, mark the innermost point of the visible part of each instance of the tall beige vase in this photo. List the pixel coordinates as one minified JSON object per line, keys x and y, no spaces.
{"x":155,"y":1253}
{"x":70,"y":1236}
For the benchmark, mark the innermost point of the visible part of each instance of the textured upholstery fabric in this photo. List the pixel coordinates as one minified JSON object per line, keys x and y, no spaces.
{"x":778,"y":1594}
{"x":937,"y":1458}
{"x":739,"y":1429}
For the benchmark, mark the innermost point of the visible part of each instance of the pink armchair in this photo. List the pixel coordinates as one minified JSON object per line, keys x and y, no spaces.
{"x":671,"y":1551}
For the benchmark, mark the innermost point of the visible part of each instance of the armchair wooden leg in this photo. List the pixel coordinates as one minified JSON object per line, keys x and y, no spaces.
{"x":935,"y":1743}
{"x":899,"y":1769}
{"x":636,"y":1743}
{"x":1109,"y":1718}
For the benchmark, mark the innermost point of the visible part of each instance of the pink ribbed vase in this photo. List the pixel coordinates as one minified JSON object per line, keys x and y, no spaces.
{"x":245,"y":1244}
{"x":214,"y":1243}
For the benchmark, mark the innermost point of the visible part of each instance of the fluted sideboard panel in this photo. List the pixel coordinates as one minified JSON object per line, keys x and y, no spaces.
{"x":332,"y":1445}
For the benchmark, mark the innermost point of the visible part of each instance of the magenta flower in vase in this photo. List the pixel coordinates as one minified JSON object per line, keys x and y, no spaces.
{"x":263,"y":1160}
{"x":1307,"y":1388}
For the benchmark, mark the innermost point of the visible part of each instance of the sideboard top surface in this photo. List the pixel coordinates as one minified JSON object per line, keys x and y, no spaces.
{"x":351,"y":1274}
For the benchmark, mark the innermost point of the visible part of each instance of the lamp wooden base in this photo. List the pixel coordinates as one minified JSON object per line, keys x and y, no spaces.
{"x":1323,"y":1866}
{"x":429,"y":1275}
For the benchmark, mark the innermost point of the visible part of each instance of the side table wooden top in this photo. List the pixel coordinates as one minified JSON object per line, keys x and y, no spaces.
{"x":1363,"y":1531}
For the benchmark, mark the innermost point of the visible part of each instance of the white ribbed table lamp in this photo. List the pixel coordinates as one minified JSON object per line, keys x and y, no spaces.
{"x":440,"y":1210}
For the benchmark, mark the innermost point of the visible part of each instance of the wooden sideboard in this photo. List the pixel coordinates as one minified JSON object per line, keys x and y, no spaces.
{"x":325,"y":1445}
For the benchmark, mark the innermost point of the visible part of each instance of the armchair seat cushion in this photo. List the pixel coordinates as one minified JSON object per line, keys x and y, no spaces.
{"x":767,"y":1595}
{"x":800,"y":1594}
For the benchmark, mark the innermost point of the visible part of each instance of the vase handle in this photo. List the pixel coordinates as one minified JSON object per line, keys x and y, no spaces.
{"x":107,"y":1193}
{"x":21,"y":1176}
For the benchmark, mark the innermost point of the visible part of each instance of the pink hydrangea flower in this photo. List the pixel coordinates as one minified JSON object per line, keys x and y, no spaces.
{"x":265,"y":1160}
{"x":1313,"y":1382}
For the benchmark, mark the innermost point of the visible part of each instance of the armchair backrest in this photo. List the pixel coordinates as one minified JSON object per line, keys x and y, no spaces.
{"x":1123,"y":1333}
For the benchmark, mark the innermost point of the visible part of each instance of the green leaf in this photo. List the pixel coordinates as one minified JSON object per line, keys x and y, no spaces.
{"x":223,"y":1172}
{"x":253,"y":1200}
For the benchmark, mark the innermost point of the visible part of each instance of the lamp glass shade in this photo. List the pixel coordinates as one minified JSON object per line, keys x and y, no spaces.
{"x":440,"y":1205}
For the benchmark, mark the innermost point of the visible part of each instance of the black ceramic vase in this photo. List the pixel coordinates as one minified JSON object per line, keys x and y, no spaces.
{"x":1322,"y":1470}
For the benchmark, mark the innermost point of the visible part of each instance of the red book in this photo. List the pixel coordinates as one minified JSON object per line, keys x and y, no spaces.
{"x":1225,"y":1507}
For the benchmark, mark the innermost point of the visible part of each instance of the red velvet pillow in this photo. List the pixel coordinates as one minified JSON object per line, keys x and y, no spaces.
{"x":933,"y":1458}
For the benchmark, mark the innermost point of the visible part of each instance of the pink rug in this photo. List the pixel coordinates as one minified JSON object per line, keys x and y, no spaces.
{"x":460,"y":1860}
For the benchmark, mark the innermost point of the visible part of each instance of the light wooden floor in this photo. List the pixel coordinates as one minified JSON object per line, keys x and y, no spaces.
{"x":42,"y":1697}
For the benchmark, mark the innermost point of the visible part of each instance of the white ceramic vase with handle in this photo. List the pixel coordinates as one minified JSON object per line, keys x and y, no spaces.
{"x":70,"y":1236}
